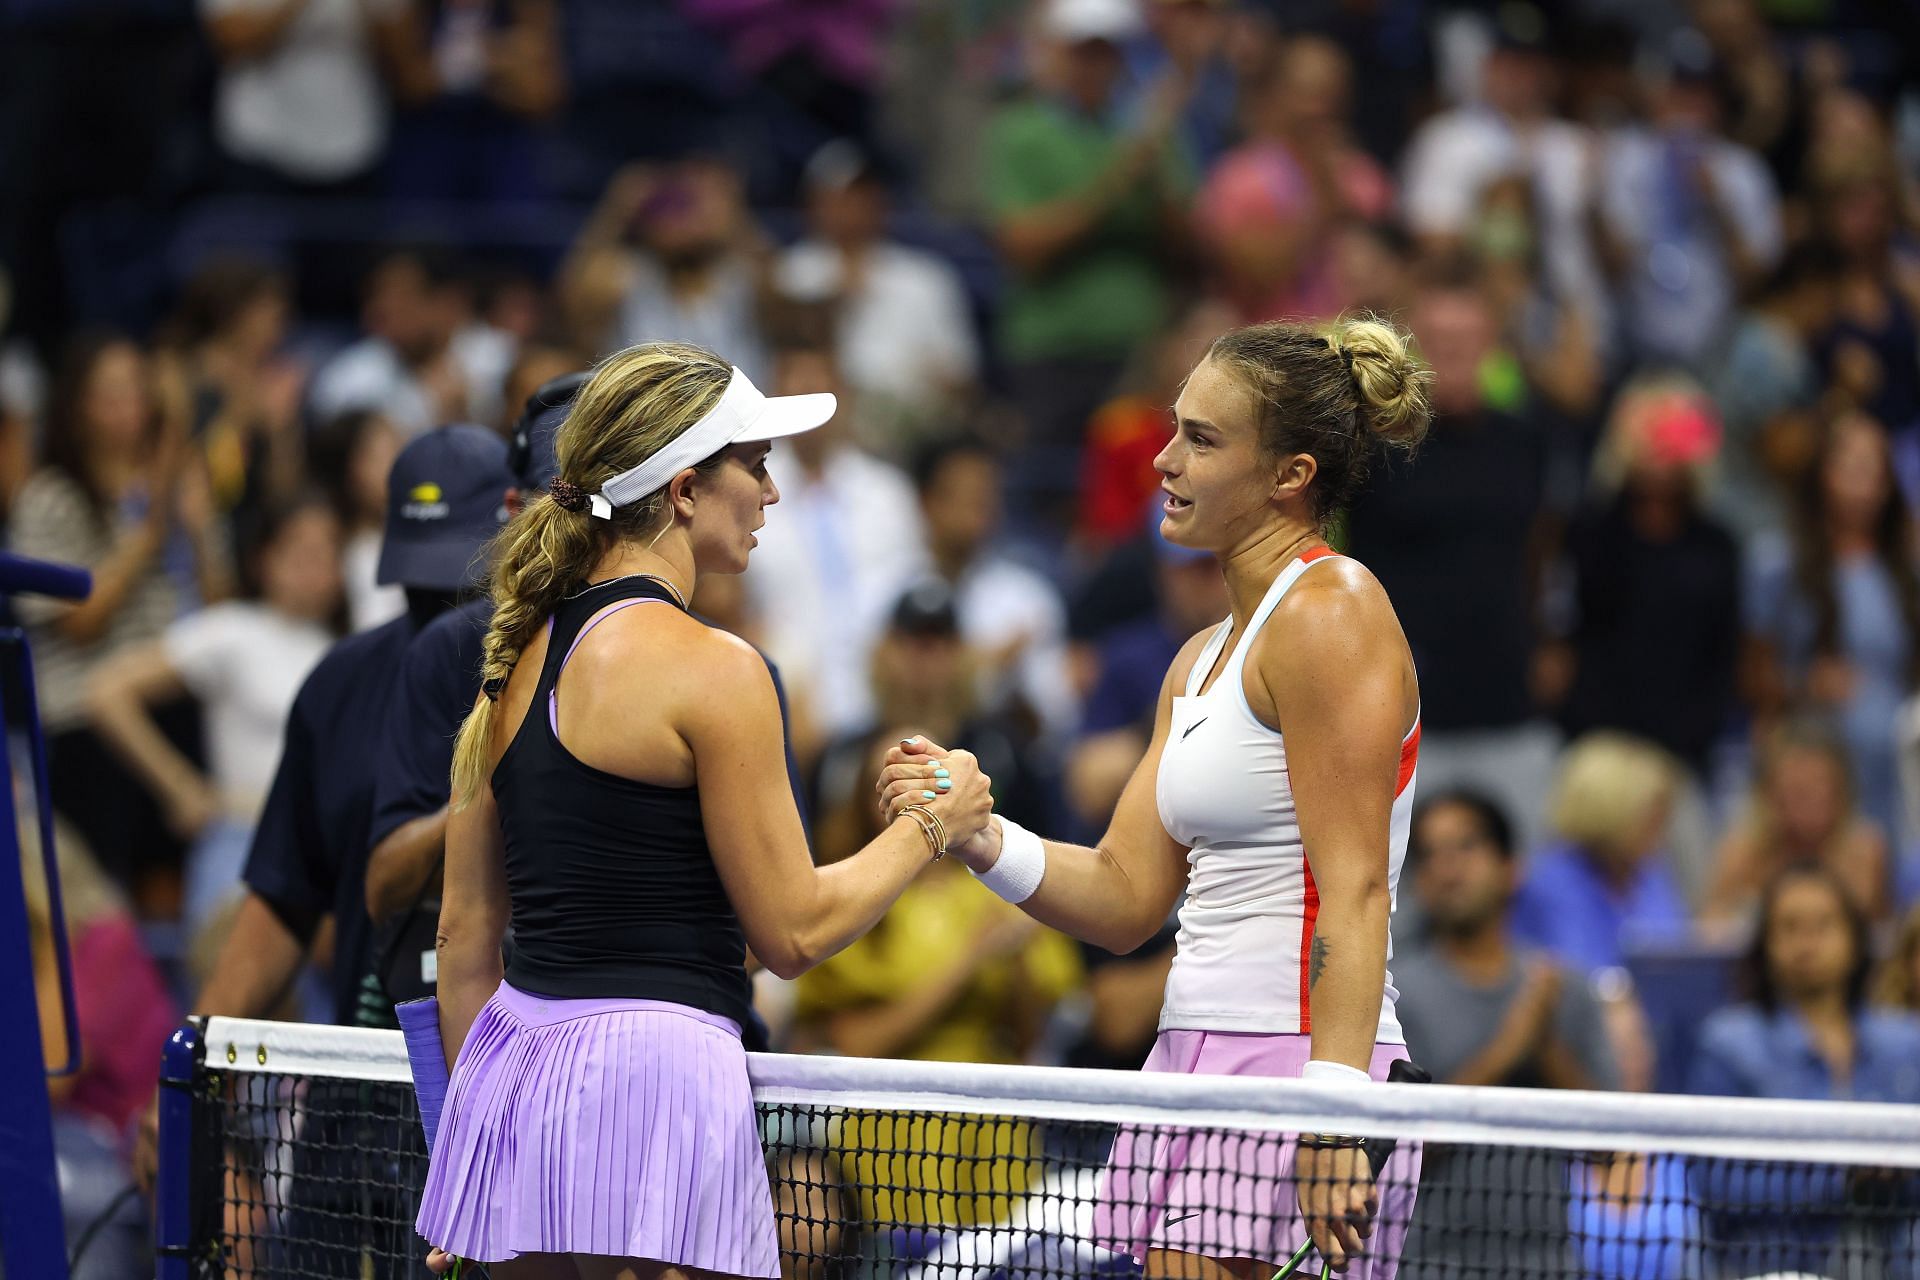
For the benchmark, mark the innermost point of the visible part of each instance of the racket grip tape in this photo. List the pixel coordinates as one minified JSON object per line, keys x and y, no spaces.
{"x":1380,"y":1150}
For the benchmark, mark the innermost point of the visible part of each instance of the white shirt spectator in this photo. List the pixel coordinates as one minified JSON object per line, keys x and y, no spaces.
{"x":485,"y":356}
{"x":1457,"y":153}
{"x":244,"y":662}
{"x":370,"y":375}
{"x":905,"y":334}
{"x":368,"y":603}
{"x":837,"y":552}
{"x":1680,"y":295}
{"x":313,"y":107}
{"x":999,"y":601}
{"x":724,"y":318}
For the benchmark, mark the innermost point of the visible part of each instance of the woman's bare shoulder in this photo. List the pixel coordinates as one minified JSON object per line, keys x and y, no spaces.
{"x":1336,"y":610}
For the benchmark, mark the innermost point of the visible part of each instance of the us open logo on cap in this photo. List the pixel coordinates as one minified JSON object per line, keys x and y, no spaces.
{"x":425,"y":502}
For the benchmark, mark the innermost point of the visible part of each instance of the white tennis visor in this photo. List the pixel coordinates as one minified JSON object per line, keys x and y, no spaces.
{"x":743,"y":416}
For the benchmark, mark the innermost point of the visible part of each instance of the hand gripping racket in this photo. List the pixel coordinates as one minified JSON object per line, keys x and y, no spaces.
{"x":1379,"y":1151}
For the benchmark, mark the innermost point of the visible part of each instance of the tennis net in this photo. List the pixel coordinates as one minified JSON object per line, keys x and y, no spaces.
{"x":294,"y":1151}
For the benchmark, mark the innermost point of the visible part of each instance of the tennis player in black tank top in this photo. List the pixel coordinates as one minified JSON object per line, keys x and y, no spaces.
{"x":610,"y":798}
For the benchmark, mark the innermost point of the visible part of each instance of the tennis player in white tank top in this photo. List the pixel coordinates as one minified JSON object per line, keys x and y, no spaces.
{"x":1276,"y":792}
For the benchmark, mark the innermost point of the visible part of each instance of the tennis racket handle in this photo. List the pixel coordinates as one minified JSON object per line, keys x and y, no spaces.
{"x":1380,"y":1150}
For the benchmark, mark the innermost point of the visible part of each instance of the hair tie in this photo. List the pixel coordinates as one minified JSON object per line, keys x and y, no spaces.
{"x":1346,"y":356}
{"x":568,"y":496}
{"x":493,"y":687}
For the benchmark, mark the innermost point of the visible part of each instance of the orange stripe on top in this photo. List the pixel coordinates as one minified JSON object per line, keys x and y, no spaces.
{"x":1318,"y":553}
{"x":1310,"y":899}
{"x":1409,"y":757}
{"x":1309,"y":912}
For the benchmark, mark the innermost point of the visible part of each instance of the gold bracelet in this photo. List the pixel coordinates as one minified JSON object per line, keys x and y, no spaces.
{"x":939,"y":827}
{"x":939,"y":830}
{"x":927,"y":823}
{"x":931,"y":827}
{"x":926,"y":828}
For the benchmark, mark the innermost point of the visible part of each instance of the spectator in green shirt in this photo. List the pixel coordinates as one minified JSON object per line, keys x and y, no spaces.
{"x":1086,"y":204}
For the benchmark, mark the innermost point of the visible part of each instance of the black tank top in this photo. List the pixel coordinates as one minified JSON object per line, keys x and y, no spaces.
{"x":612,"y":885}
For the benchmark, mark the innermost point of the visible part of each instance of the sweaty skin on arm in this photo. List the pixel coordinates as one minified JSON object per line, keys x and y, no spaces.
{"x":670,"y":730}
{"x":793,"y":913}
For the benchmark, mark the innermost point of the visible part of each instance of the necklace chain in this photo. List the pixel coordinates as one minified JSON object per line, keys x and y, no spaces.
{"x":662,"y":579}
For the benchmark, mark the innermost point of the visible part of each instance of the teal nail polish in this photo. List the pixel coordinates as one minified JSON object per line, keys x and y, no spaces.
{"x":941,"y":773}
{"x":928,"y":795}
{"x":943,"y":784}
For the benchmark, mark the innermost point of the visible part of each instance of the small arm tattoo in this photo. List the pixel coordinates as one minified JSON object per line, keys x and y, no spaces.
{"x":1316,"y":960}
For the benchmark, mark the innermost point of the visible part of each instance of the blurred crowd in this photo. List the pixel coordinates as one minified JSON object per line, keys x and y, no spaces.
{"x":1656,"y":560}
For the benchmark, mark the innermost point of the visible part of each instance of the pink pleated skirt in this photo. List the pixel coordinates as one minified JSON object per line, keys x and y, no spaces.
{"x":1225,"y":1195}
{"x":623,"y":1128}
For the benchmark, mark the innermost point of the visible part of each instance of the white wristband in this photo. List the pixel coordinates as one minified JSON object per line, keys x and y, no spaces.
{"x":1334,"y":1072}
{"x":1016,"y":873}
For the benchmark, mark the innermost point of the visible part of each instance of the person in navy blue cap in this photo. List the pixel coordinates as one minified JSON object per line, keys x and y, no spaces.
{"x":433,"y":693}
{"x":447,"y":494}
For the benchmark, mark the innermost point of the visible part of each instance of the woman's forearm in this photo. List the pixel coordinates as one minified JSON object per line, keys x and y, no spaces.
{"x":1347,"y":976}
{"x":1087,"y":893}
{"x":123,"y":722}
{"x":114,"y":579}
{"x":848,"y":898}
{"x":468,"y":975}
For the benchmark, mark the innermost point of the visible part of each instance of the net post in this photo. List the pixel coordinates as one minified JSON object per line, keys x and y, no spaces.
{"x":173,"y":1218}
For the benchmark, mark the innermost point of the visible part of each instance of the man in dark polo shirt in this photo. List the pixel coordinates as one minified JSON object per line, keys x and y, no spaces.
{"x":446,"y":498}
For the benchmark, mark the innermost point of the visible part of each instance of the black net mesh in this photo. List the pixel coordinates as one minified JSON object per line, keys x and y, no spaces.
{"x":320,"y":1177}
{"x":316,"y":1177}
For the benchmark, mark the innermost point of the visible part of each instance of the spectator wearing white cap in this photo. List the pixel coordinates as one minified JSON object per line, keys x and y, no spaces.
{"x":903,"y":329}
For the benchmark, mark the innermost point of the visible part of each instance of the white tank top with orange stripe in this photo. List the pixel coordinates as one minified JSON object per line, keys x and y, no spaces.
{"x":1246,"y":926}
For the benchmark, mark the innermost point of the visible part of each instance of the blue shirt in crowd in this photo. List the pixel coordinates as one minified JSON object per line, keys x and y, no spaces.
{"x":1746,"y":1052}
{"x":1568,"y":906}
{"x":1762,"y":1217}
{"x":1133,"y":665}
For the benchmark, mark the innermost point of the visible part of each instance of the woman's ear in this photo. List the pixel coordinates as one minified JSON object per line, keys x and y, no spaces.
{"x":1292,"y":476}
{"x":680,"y":493}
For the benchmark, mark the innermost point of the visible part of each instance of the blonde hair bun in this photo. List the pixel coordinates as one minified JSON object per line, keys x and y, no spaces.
{"x":1392,"y":380}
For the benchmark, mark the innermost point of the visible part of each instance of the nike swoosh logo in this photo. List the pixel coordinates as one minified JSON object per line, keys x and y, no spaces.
{"x":1183,"y":737}
{"x":1174,"y":1222}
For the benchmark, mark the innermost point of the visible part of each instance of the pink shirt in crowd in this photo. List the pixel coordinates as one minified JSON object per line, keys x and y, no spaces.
{"x":126,"y":1015}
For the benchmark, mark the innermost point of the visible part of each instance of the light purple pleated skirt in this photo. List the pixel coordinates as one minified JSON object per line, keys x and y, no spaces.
{"x":1223,"y":1195}
{"x":623,"y":1128}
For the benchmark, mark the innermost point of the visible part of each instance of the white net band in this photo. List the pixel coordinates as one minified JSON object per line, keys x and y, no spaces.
{"x":1847,"y":1133}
